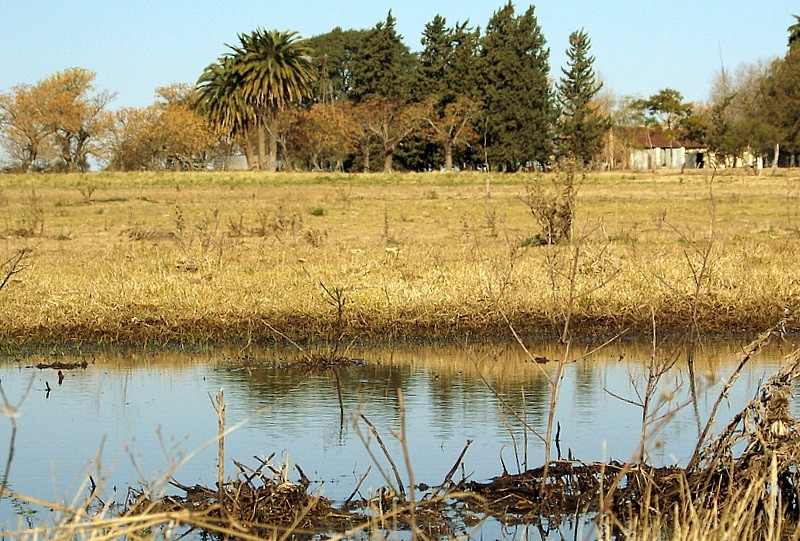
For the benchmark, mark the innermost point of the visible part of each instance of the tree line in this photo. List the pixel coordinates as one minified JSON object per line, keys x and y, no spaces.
{"x":361,"y":100}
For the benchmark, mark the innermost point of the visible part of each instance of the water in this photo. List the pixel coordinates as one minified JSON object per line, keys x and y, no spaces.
{"x":136,"y":419}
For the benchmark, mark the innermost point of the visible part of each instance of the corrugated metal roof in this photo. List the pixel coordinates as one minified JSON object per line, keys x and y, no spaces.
{"x":648,"y":137}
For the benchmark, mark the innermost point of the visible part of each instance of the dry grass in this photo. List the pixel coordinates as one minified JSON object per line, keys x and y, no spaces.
{"x":212,"y":257}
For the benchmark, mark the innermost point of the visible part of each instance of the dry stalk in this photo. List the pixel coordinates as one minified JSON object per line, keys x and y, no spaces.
{"x":11,"y":411}
{"x":572,"y":296}
{"x":651,"y":414}
{"x":400,"y":489}
{"x":449,"y":477}
{"x":219,"y":406}
{"x":12,"y":266}
{"x":503,"y":402}
{"x":566,"y":302}
{"x":750,"y":351}
{"x":403,"y":439}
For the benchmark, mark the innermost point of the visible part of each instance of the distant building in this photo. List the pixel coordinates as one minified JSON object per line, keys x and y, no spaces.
{"x":231,"y":163}
{"x":649,"y":148}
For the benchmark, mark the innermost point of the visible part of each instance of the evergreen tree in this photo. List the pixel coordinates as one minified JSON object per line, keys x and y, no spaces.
{"x":781,"y":102}
{"x":381,"y":65}
{"x":518,"y":102}
{"x":446,"y":83}
{"x":434,"y":58}
{"x":580,"y":127}
{"x":333,"y":54}
{"x":382,"y":69}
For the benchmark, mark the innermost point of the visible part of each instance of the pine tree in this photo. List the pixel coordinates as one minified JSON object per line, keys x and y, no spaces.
{"x":581,"y":127}
{"x":434,"y":58}
{"x":446,"y":84}
{"x":519,"y":109}
{"x":382,"y":64}
{"x":780,"y":102}
{"x":381,"y":71}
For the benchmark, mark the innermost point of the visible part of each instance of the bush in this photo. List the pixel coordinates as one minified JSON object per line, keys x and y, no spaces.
{"x":553,"y":209}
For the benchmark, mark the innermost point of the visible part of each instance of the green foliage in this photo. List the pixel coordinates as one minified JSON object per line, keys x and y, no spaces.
{"x":794,"y":32}
{"x":247,"y":87}
{"x":781,"y":99}
{"x":697,"y":127}
{"x":759,"y":106}
{"x":274,"y":68}
{"x":667,"y":107}
{"x":447,"y":84}
{"x":581,"y":127}
{"x":381,"y":65}
{"x":333,"y":55}
{"x":434,"y":60}
{"x":737,"y":122}
{"x":518,"y":103}
{"x":447,"y":63}
{"x":219,"y":97}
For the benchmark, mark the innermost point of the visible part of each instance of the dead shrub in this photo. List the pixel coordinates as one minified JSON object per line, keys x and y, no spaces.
{"x":553,"y":208}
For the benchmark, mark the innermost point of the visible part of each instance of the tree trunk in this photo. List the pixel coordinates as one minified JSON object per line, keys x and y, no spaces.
{"x":366,"y":158}
{"x":248,"y":150}
{"x":448,"y":156}
{"x":262,"y":145}
{"x":288,"y":165}
{"x":775,"y":159}
{"x":272,"y":129}
{"x":387,"y":161}
{"x":610,"y":155}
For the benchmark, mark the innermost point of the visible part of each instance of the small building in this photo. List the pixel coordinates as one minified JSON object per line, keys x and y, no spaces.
{"x":655,"y":148}
{"x":237,"y":162}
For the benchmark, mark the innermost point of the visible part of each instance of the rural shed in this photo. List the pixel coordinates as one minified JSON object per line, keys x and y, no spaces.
{"x":654,"y":148}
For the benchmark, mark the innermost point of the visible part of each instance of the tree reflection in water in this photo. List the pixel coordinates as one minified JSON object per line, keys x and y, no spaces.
{"x":140,"y":413}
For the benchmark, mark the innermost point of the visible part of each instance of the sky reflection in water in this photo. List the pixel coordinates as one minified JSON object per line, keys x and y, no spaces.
{"x":129,"y":419}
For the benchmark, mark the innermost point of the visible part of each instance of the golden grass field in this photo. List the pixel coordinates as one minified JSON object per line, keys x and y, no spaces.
{"x":177,"y":258}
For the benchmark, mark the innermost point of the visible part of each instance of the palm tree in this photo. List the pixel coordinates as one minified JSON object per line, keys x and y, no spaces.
{"x":271,"y":70}
{"x":794,"y":32}
{"x":218,"y":98}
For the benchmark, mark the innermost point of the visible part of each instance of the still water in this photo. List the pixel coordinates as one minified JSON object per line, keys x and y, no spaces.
{"x":138,"y":419}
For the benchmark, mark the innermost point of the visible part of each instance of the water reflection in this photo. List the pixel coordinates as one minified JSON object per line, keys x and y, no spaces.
{"x":132,"y":418}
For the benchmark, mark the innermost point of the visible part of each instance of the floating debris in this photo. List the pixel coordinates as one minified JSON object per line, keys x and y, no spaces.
{"x":62,"y":365}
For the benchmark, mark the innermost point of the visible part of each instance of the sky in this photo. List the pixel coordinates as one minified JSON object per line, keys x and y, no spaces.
{"x":136,"y":46}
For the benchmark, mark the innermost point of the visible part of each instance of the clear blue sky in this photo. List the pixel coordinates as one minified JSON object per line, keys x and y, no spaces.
{"x":135,"y":46}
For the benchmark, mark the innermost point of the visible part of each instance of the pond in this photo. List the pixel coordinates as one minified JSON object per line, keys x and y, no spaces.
{"x":138,"y":419}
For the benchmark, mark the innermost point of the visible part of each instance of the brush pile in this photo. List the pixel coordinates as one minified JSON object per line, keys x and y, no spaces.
{"x":748,"y":475}
{"x":258,"y":502}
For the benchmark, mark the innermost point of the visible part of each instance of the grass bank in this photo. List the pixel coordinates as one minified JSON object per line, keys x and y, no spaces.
{"x":155,"y":259}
